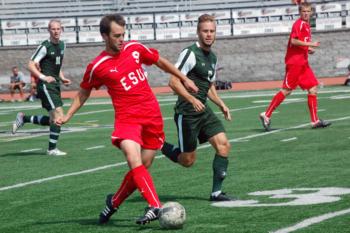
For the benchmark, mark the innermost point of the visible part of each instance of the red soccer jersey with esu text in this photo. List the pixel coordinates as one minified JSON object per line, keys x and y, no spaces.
{"x":298,"y":55}
{"x":126,"y":82}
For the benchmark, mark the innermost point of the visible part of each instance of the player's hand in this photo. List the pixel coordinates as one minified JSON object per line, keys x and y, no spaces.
{"x":315,"y":44}
{"x":226,"y":111}
{"x":66,"y":81}
{"x":197,"y":105}
{"x":189,"y":84}
{"x":50,"y":79}
{"x":311,"y":51}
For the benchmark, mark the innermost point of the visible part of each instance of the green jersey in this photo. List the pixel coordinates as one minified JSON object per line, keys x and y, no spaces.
{"x":199,"y":66}
{"x":50,"y":56}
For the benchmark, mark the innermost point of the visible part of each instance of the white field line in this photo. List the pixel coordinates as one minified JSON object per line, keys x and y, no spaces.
{"x":157,"y":157}
{"x":94,"y":147}
{"x":30,"y":150}
{"x":310,"y":221}
{"x":289,"y":139}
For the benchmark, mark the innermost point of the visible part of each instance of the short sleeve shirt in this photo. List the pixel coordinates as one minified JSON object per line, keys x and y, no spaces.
{"x":17,"y":78}
{"x":298,"y":55}
{"x":126,"y":81}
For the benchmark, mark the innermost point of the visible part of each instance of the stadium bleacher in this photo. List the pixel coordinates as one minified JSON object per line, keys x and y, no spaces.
{"x":24,"y":22}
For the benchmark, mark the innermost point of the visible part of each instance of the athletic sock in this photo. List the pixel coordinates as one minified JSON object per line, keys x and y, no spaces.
{"x":126,"y":189}
{"x":312,"y":104}
{"x":144,"y":183}
{"x":171,"y":151}
{"x":275,"y":102}
{"x":219,"y":172}
{"x":38,"y":120}
{"x":55,"y":131}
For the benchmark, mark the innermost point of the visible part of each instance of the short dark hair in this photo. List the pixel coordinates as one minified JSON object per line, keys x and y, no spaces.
{"x":105,"y":23}
{"x":205,"y":18}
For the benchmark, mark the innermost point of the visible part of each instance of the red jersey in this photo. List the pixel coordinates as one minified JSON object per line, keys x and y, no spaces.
{"x":298,"y":55}
{"x":126,"y":81}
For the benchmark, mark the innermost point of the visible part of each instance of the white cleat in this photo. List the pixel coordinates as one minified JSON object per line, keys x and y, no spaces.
{"x":265,"y":121}
{"x":56,"y":152}
{"x":18,"y":123}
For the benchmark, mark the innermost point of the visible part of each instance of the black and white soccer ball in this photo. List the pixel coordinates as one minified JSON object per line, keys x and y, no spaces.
{"x":172,"y":215}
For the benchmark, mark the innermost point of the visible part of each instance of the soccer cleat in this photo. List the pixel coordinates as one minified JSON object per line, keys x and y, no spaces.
{"x":321,"y":124}
{"x":266,"y":122}
{"x":108,"y":211}
{"x":151,"y":214}
{"x":55,"y":152}
{"x":18,"y":123}
{"x":221,"y":197}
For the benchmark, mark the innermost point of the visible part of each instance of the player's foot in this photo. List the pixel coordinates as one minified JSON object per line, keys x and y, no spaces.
{"x":266,"y":122}
{"x":321,"y":124}
{"x":56,"y":152}
{"x":151,"y":214}
{"x":221,"y":197}
{"x":108,"y":211}
{"x":18,"y":123}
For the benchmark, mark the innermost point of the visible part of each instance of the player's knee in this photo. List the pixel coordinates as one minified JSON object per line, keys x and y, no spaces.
{"x":187,"y":160}
{"x":224,"y":148}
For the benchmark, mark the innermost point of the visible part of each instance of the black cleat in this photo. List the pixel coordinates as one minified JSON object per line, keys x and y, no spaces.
{"x":321,"y":124}
{"x":108,"y":211}
{"x":151,"y":214}
{"x":265,"y":121}
{"x":222,"y":197}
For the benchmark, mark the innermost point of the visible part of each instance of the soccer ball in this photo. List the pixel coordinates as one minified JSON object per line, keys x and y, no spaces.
{"x":172,"y":215}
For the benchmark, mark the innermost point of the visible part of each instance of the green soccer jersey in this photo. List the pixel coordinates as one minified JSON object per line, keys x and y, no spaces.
{"x":199,"y":66}
{"x":50,"y":56}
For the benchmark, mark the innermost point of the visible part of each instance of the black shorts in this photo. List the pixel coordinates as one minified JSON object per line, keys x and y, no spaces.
{"x":50,"y":96}
{"x":191,"y":128}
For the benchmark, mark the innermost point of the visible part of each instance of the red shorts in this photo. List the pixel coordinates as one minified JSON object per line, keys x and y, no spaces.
{"x":149,"y":135}
{"x":299,"y":75}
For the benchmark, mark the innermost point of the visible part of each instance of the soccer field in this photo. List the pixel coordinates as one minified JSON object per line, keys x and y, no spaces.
{"x":291,"y":179}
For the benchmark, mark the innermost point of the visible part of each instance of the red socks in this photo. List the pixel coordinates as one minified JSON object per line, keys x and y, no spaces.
{"x":275,"y":102}
{"x":138,"y":178}
{"x":126,"y":189}
{"x":312,"y":103}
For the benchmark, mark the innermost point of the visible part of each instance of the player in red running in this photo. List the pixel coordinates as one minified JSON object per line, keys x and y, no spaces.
{"x":298,"y":71}
{"x":138,"y":123}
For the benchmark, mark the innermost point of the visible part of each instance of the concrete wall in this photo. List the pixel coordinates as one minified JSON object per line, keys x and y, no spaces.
{"x":244,"y":59}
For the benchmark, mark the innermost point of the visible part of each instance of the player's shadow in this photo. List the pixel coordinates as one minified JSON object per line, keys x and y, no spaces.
{"x":112,"y":223}
{"x":20,"y":154}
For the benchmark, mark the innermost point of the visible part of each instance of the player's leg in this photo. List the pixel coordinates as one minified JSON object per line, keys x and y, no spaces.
{"x":309,"y":82}
{"x":214,"y":132}
{"x":220,"y":165}
{"x":142,"y":180}
{"x":21,"y":91}
{"x":290,"y":82}
{"x":12,"y":91}
{"x":187,"y":132}
{"x":55,"y":131}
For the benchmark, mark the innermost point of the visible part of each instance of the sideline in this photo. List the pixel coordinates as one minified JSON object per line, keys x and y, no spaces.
{"x":157,"y":157}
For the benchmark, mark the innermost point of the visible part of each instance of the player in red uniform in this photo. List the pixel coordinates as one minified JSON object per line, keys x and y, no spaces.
{"x":298,"y":71}
{"x":138,"y":123}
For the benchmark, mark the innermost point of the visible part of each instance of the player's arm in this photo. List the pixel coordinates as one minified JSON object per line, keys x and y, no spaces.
{"x":33,"y":64}
{"x":78,"y":101}
{"x":177,"y":86}
{"x":168,"y":67}
{"x":297,"y":42}
{"x":215,"y":98}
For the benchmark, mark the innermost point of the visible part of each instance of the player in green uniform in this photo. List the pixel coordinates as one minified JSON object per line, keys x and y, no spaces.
{"x":46,"y":64}
{"x":193,"y":117}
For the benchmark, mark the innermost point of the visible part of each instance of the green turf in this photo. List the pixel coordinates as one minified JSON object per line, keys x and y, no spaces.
{"x":259,"y":161}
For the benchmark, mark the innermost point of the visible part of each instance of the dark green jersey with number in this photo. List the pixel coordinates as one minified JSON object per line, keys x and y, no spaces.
{"x":50,"y":57}
{"x":199,"y":66}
